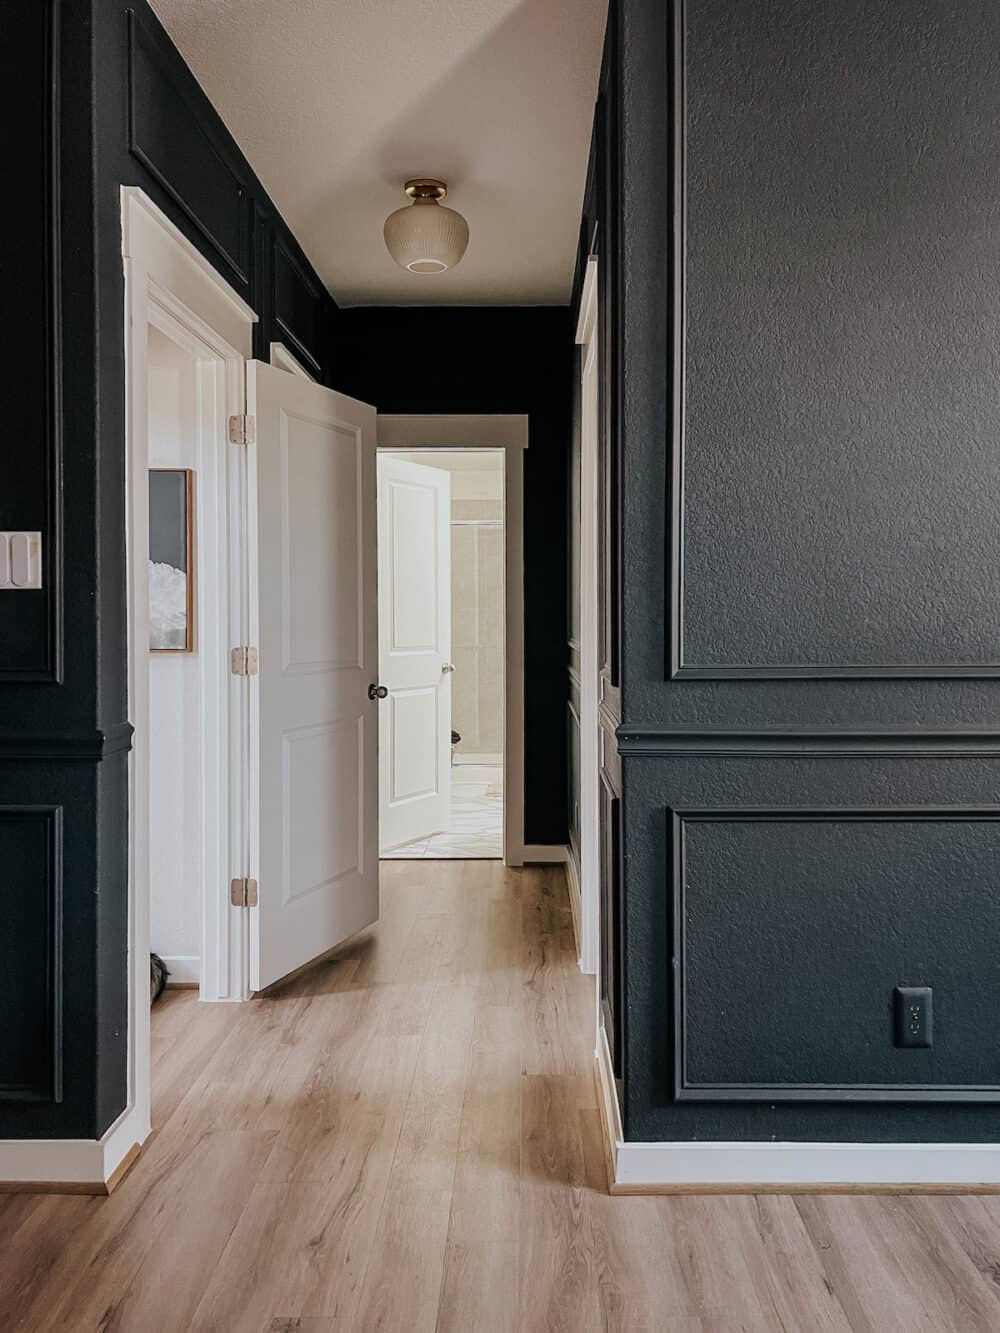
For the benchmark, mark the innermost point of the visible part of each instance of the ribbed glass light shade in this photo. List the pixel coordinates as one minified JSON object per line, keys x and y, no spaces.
{"x":426,"y":237}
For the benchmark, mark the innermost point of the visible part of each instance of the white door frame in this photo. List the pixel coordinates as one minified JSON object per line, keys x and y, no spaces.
{"x":509,"y":433}
{"x":590,"y":834}
{"x":169,"y":285}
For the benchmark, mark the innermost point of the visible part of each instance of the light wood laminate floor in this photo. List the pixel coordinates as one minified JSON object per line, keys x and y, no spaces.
{"x":406,"y":1139}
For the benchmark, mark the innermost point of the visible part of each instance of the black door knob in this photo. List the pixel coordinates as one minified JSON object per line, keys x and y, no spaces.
{"x":377,"y":692}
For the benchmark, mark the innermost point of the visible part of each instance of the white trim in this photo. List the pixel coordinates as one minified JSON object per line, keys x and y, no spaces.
{"x":509,"y":433}
{"x":283,"y":359}
{"x":699,"y":1167}
{"x":167,"y":283}
{"x":588,"y":679}
{"x":148,"y":233}
{"x":182,"y":969}
{"x":809,"y":1166}
{"x":483,"y":760}
{"x":69,"y":1161}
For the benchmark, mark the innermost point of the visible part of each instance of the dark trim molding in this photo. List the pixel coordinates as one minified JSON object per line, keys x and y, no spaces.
{"x":139,"y":30}
{"x":51,"y":1090}
{"x":89,"y":749}
{"x":640,"y":740}
{"x":676,"y":667}
{"x":298,"y":346}
{"x":51,"y":673}
{"x":838,"y":671}
{"x":685,"y":1091}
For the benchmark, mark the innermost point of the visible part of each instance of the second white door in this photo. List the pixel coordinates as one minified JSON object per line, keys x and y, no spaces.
{"x":415,"y":668}
{"x":314,"y":839}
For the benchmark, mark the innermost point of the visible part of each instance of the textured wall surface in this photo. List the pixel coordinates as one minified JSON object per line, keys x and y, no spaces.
{"x":841,"y":345}
{"x":810,"y":581}
{"x":69,"y":70}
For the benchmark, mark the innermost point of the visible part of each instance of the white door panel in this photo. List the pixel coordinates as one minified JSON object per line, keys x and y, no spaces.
{"x":414,"y":507}
{"x":313,"y":571}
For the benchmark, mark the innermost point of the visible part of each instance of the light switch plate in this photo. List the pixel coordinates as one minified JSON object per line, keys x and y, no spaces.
{"x":20,"y":561}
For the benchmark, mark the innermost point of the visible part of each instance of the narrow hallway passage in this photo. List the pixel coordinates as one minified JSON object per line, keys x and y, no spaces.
{"x":406,"y":1138}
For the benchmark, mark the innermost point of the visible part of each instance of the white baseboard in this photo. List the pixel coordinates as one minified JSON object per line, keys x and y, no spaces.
{"x":483,"y":760}
{"x":184,"y":969}
{"x":756,"y":1168}
{"x":787,"y":1168}
{"x":72,"y":1166}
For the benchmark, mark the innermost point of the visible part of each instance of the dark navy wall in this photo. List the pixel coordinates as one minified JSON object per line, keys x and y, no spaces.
{"x":479,"y":360}
{"x":811,"y":602}
{"x":101,"y":99}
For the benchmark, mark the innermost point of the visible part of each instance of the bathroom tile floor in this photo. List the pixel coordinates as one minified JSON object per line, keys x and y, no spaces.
{"x":475,"y":827}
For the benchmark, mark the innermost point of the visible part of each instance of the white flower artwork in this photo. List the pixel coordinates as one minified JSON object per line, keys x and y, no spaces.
{"x":167,"y":608}
{"x":171,"y":546}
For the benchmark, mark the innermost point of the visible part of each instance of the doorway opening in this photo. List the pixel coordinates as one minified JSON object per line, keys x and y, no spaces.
{"x":442,"y":645}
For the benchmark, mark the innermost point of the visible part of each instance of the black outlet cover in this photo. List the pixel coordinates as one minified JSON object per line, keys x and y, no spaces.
{"x":914,"y":1016}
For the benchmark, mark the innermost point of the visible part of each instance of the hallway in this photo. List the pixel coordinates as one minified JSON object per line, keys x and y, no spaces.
{"x":406,"y":1138}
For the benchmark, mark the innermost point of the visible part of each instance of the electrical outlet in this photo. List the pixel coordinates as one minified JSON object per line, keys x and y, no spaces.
{"x":914,"y":1016}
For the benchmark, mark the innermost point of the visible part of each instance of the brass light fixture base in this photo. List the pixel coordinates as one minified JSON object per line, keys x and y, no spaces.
{"x":425,"y":187}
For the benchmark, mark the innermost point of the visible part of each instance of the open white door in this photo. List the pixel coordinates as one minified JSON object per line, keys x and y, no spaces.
{"x":414,"y":537}
{"x":311,"y":505}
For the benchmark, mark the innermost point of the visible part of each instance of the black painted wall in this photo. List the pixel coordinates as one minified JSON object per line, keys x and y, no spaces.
{"x":480,"y":360}
{"x":101,"y":99}
{"x":809,"y":324}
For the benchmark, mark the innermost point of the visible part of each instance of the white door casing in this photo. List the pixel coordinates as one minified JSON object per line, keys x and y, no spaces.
{"x":414,"y":561}
{"x":314,"y":730}
{"x":590,"y":726}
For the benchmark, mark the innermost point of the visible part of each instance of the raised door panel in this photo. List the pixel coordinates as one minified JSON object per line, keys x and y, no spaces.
{"x":321,"y":466}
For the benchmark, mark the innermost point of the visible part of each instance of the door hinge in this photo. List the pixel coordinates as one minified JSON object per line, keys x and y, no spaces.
{"x":243,"y":892}
{"x":242,"y":430}
{"x":243,"y":661}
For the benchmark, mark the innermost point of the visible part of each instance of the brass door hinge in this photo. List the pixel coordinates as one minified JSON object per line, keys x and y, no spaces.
{"x":242,"y":430}
{"x":243,"y":893}
{"x":243,"y":661}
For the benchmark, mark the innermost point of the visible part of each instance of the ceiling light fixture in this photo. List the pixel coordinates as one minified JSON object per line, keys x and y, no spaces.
{"x":424,"y":237}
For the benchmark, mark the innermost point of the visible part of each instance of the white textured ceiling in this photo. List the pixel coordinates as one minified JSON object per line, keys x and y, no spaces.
{"x":336,"y":102}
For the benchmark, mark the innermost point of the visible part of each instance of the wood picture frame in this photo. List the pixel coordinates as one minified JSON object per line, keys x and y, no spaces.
{"x":171,"y":553}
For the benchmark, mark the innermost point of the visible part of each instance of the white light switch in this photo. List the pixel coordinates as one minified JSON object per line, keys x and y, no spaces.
{"x":20,"y":560}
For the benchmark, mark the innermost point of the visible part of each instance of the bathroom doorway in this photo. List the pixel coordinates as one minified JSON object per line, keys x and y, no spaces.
{"x":442,"y":652}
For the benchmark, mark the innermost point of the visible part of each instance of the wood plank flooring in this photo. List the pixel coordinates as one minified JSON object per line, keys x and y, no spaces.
{"x":406,"y":1138}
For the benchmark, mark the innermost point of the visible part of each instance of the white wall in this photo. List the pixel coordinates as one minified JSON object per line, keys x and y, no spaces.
{"x":477,"y":603}
{"x":175,"y":728}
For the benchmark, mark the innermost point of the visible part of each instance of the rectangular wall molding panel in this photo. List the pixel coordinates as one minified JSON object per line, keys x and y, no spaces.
{"x":31,"y":907}
{"x":793,"y":927}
